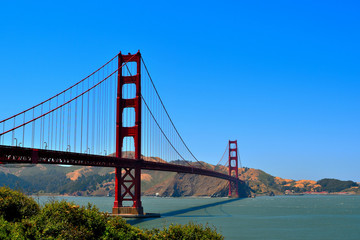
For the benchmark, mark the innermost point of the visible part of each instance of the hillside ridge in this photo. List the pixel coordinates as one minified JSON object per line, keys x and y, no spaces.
{"x":98,"y":181}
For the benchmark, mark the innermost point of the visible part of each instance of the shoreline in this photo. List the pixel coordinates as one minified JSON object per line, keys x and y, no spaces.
{"x":258,"y":195}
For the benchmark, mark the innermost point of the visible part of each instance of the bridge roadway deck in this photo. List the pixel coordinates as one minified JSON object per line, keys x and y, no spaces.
{"x":20,"y":155}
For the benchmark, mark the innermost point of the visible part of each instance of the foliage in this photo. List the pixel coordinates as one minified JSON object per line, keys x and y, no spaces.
{"x":15,"y":206}
{"x":65,"y":220}
{"x":5,"y":228}
{"x":117,"y":228}
{"x":189,"y":231}
{"x":335,"y":185}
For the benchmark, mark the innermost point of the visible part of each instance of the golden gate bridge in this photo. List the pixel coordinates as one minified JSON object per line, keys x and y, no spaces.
{"x":114,"y":117}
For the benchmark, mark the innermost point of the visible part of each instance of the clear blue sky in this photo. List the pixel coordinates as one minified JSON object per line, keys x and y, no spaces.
{"x":281,"y":77}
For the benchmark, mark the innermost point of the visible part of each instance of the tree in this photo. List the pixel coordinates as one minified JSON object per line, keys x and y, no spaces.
{"x":15,"y":205}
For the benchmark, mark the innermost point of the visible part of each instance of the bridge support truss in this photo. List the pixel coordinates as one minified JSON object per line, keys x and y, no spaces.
{"x":128,"y":179}
{"x":233,"y":167}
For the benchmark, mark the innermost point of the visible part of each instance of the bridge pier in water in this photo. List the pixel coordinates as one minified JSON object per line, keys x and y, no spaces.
{"x":127,"y":188}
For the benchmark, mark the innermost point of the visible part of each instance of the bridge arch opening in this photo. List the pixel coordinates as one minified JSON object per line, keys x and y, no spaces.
{"x":128,"y":148}
{"x":128,"y":117}
{"x":129,"y":69}
{"x":129,"y":91}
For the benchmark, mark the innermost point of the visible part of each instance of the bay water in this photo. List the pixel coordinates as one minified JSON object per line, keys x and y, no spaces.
{"x":279,"y":217}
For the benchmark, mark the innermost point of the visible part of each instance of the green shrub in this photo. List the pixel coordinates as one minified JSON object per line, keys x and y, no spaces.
{"x":5,"y":229}
{"x":15,"y":205}
{"x":21,"y":219}
{"x":117,"y":229}
{"x":65,"y":220}
{"x":189,"y":231}
{"x":335,"y":185}
{"x":24,"y":230}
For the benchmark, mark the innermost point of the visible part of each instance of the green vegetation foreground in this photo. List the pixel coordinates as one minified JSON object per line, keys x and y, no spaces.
{"x":22,"y":218}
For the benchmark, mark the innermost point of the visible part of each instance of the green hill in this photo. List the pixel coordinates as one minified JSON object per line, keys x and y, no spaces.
{"x":335,"y":185}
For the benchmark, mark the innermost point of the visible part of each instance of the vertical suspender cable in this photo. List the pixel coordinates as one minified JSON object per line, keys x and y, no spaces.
{"x":87,"y":119}
{"x":23,"y":136}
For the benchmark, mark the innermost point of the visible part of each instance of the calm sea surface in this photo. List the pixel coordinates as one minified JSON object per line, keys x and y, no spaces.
{"x":280,"y":217}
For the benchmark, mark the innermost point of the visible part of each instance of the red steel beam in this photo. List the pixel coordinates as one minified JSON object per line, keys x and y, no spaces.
{"x":16,"y":155}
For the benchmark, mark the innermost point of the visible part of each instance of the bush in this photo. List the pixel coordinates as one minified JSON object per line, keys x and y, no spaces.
{"x":21,"y":218}
{"x":189,"y":231}
{"x":15,"y":205}
{"x":117,"y":229}
{"x":5,"y":229}
{"x":65,"y":220}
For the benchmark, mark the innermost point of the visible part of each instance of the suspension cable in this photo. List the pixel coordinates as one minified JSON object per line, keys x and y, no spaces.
{"x":152,"y":115}
{"x":58,"y":107}
{"x":60,"y":92}
{"x":152,"y":82}
{"x":163,"y":131}
{"x":227,"y":145}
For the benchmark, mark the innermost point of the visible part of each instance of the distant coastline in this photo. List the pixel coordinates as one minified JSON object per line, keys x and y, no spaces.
{"x":48,"y":180}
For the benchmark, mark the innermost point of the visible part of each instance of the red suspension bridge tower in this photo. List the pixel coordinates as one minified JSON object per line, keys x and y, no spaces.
{"x":128,"y":179}
{"x":233,"y":167}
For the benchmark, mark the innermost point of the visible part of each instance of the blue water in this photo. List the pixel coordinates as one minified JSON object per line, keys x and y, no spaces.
{"x":280,"y":217}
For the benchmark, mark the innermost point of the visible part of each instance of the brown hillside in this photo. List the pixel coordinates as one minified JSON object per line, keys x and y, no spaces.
{"x":167,"y":184}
